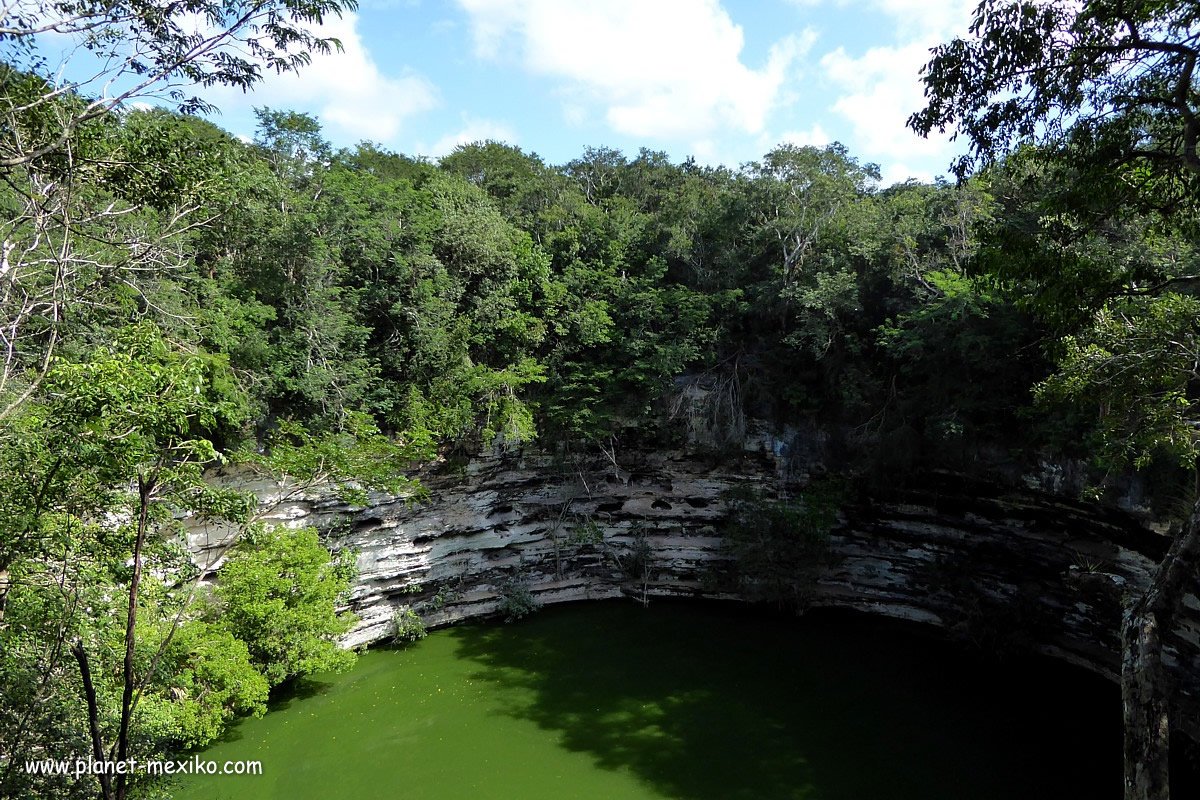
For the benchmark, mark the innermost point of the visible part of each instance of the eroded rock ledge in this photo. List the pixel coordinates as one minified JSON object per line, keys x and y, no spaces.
{"x":997,"y":565}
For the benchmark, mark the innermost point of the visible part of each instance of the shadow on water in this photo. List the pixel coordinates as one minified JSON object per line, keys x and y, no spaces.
{"x":728,"y":703}
{"x":282,"y":696}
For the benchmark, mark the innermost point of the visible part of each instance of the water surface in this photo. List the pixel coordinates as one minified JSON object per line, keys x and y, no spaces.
{"x":695,"y":701}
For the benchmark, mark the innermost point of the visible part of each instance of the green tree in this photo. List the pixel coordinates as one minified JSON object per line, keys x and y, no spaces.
{"x":278,"y":593}
{"x":1108,"y":89}
{"x":1107,"y":83}
{"x":57,"y":161}
{"x":521,"y":185}
{"x":1138,"y":362}
{"x":97,"y":233}
{"x":285,"y":252}
{"x":109,"y":645}
{"x":799,"y":196}
{"x":120,"y":436}
{"x":145,"y":50}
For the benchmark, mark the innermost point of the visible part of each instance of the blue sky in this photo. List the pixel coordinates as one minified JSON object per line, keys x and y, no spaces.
{"x":720,"y":80}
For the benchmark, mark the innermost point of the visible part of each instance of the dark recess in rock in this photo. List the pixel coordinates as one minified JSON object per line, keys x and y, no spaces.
{"x":996,"y":564}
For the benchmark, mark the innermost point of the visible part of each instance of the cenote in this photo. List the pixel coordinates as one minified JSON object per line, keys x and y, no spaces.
{"x":701,"y":701}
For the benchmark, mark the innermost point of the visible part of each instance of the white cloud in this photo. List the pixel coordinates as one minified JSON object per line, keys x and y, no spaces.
{"x":813,"y":137}
{"x":898,"y":172}
{"x":929,"y":20}
{"x":928,"y":17}
{"x":705,"y":151}
{"x":881,"y":88}
{"x":709,"y":152}
{"x":808,"y":5}
{"x":345,"y":89}
{"x":390,"y":5}
{"x":473,"y":130}
{"x":671,"y":68}
{"x":574,"y":114}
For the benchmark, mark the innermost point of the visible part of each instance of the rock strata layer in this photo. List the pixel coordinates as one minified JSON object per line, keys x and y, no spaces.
{"x":998,"y":566}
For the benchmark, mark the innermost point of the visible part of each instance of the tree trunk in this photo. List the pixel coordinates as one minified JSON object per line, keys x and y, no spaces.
{"x":1145,"y":690}
{"x":89,"y":690}
{"x":145,"y":489}
{"x":5,"y":583}
{"x":1144,"y":700}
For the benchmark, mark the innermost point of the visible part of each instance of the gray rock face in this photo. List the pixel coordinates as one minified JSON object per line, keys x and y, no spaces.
{"x":999,"y":566}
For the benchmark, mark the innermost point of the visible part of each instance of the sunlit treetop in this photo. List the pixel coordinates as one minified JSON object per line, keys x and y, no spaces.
{"x":1110,"y":82}
{"x":166,"y":51}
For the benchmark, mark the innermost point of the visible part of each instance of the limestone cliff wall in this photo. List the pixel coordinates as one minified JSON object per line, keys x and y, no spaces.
{"x":1000,"y":566}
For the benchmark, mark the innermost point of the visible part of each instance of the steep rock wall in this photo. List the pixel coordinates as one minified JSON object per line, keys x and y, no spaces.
{"x":999,"y":566}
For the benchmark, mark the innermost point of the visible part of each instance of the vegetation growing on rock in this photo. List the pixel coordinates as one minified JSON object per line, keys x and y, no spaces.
{"x":175,"y":298}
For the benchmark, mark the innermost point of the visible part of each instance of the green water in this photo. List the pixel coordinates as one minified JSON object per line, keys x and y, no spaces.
{"x":681,"y":700}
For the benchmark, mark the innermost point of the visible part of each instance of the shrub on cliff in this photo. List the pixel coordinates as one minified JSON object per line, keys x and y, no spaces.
{"x":779,"y":546}
{"x":278,"y":594}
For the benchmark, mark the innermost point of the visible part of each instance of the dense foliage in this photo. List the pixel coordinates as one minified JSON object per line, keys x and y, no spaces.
{"x":355,"y":312}
{"x":172,"y":298}
{"x":492,"y":298}
{"x":1089,"y":112}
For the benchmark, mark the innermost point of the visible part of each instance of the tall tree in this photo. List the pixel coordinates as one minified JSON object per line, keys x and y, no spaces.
{"x":1112,"y":81}
{"x":55,"y":145}
{"x":145,"y":50}
{"x":1108,"y":91}
{"x":122,"y":434}
{"x":799,"y":194}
